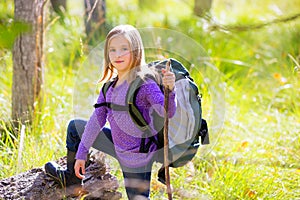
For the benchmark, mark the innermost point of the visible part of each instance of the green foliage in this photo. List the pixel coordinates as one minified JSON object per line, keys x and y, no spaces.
{"x":256,"y":153}
{"x":9,"y":31}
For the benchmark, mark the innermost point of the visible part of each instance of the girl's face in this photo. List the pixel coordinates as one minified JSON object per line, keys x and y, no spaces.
{"x":119,"y":53}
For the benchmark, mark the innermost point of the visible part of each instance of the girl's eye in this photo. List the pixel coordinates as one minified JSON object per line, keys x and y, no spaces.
{"x":125,"y":49}
{"x":112,"y":50}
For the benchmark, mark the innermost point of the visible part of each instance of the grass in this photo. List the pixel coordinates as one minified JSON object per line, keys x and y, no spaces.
{"x":255,"y":154}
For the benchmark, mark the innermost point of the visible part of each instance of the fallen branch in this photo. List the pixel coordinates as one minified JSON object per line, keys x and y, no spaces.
{"x":248,"y":27}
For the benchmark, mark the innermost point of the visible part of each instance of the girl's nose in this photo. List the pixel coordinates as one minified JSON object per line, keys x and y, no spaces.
{"x":119,"y":53}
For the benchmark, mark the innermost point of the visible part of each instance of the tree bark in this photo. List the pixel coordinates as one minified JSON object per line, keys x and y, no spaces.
{"x":202,"y":7}
{"x":27,"y":60}
{"x":95,"y":14}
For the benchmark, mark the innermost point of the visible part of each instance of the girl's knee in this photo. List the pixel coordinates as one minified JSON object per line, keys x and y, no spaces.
{"x":76,"y":127}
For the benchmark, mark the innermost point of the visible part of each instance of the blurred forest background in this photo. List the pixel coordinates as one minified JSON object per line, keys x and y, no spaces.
{"x":252,"y":106}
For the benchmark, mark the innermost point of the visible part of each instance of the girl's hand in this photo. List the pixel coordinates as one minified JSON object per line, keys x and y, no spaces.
{"x":168,"y":79}
{"x":79,"y":165}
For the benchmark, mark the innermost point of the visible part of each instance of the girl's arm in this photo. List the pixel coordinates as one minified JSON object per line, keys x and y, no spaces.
{"x":92,"y":129}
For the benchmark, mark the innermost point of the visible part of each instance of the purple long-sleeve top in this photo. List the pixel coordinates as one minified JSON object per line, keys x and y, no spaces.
{"x":125,"y":134}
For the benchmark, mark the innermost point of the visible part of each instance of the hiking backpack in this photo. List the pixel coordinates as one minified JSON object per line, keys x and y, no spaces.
{"x":186,"y":127}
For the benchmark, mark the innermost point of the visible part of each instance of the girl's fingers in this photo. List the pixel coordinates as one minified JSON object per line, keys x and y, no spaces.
{"x":169,"y":76}
{"x":79,"y":165}
{"x":164,"y":70}
{"x":169,"y":80}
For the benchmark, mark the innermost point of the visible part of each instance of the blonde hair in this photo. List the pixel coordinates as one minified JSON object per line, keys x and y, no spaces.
{"x":138,"y":65}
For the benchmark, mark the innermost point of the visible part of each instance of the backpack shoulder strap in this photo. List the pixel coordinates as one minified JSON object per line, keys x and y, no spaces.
{"x":104,"y":89}
{"x":137,"y":117}
{"x":133,"y":90}
{"x":107,"y":85}
{"x":134,"y":112}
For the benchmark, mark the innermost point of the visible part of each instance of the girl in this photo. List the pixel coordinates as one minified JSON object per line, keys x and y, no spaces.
{"x":123,"y":55}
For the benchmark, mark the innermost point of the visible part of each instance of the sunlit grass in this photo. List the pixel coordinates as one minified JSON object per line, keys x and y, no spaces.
{"x":253,"y":11}
{"x":257,"y":152}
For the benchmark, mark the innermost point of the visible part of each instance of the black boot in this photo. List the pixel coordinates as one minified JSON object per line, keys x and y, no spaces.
{"x":65,"y":177}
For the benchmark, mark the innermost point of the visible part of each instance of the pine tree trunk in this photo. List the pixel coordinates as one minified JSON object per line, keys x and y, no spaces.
{"x":202,"y":7}
{"x":27,"y":60}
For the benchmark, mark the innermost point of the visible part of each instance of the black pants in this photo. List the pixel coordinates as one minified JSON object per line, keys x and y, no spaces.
{"x":137,"y":180}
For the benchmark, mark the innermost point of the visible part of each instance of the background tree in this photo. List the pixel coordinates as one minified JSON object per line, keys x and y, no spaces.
{"x":27,"y":59}
{"x":59,"y":6}
{"x":201,"y":7}
{"x":94,"y":19}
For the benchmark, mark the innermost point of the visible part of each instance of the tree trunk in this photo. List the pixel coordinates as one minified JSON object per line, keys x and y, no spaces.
{"x":202,"y":7}
{"x":27,"y":60}
{"x":59,"y":6}
{"x":95,"y":14}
